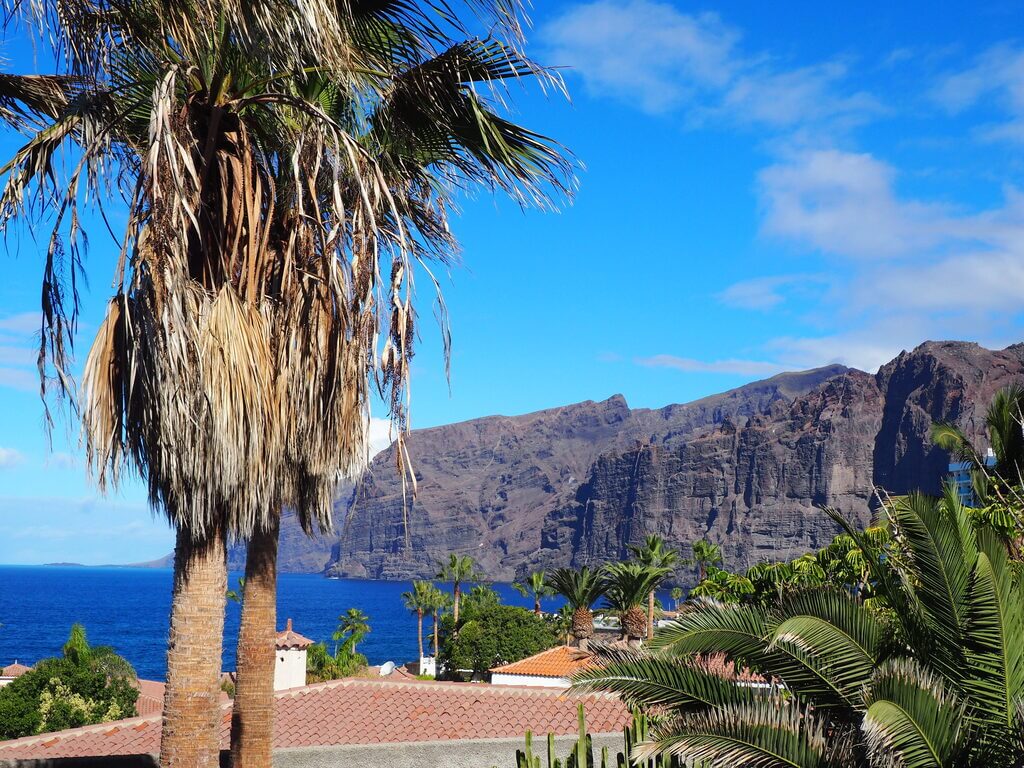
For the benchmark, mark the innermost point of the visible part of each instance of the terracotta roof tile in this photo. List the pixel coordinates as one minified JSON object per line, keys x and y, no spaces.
{"x":560,"y":661}
{"x":14,"y":670}
{"x":291,"y":639}
{"x":361,"y":711}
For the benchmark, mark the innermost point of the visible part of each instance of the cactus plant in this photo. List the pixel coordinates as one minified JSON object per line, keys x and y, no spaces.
{"x":582,"y":753}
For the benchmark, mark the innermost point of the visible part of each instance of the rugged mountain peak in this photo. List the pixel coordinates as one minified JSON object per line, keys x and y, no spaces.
{"x":748,"y":468}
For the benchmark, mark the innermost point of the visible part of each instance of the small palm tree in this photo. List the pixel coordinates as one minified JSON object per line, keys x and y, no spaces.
{"x":657,"y":554}
{"x":581,"y":589}
{"x":705,"y":554}
{"x":536,"y":587}
{"x":458,"y":570}
{"x":677,"y":595}
{"x":418,"y":600}
{"x":628,"y":586}
{"x":438,"y":601}
{"x":353,"y":626}
{"x":1003,"y":422}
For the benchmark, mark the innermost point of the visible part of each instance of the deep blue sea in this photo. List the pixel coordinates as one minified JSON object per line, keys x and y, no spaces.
{"x":128,"y":609}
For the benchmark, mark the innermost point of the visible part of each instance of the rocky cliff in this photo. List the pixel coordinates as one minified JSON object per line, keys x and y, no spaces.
{"x":748,"y":469}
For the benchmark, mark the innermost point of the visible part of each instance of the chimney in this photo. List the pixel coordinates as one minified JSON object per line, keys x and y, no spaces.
{"x":288,"y":626}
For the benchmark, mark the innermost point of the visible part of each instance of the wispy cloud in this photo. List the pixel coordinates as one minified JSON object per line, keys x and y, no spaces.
{"x":9,"y":457}
{"x":689,"y":365}
{"x":766,"y":293}
{"x":661,"y":59}
{"x":380,"y":435}
{"x":997,"y":74}
{"x":18,"y":351}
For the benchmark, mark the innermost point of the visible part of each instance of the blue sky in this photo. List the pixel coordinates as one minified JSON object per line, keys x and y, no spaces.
{"x":765,"y":188}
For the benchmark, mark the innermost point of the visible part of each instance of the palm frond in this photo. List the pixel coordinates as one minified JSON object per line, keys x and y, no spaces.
{"x":913,"y":720}
{"x":777,"y":733}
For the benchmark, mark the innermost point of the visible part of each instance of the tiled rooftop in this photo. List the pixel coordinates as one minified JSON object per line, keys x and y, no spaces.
{"x":151,"y":697}
{"x":361,"y":711}
{"x":560,"y":661}
{"x":291,"y":639}
{"x":14,"y":670}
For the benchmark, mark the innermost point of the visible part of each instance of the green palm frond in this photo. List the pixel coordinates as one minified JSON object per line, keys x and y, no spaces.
{"x":628,"y":584}
{"x":581,"y":589}
{"x":776,"y":733}
{"x":835,"y":633}
{"x":913,"y":720}
{"x":994,"y":679}
{"x":938,"y":541}
{"x":659,"y":680}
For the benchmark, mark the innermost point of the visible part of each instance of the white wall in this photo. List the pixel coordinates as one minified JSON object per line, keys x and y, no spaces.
{"x":428,"y":665}
{"x":536,"y":681}
{"x":290,"y":669}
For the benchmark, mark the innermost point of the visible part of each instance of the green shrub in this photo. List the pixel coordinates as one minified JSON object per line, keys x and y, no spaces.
{"x":490,"y":635}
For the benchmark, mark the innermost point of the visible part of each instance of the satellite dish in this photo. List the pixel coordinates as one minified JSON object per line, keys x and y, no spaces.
{"x":387,"y":668}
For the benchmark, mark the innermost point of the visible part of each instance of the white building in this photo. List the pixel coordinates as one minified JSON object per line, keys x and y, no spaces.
{"x":11,"y":672}
{"x":290,"y":667}
{"x":547,"y":669}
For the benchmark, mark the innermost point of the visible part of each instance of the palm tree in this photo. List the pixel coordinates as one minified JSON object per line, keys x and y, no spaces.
{"x":353,"y":626}
{"x":417,"y":600}
{"x":536,"y":587}
{"x":438,"y":601}
{"x":705,"y":554}
{"x":458,"y":570}
{"x":272,"y":156}
{"x":628,"y":586}
{"x":656,"y":554}
{"x":932,"y":675}
{"x":581,"y":589}
{"x":677,"y":595}
{"x":1003,"y":423}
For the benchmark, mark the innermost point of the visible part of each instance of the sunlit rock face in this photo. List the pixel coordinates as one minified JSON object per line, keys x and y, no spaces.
{"x":575,"y":485}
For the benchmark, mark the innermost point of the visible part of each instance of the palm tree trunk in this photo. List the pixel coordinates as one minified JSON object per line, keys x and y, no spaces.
{"x":419,"y":630}
{"x":650,"y":616}
{"x":536,"y":605}
{"x":435,"y":636}
{"x":457,"y":594}
{"x":252,"y":721}
{"x":191,"y":721}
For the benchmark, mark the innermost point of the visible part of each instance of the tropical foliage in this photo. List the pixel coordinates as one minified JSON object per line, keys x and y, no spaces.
{"x":627,"y":587}
{"x":353,"y":626}
{"x":322,"y":665}
{"x":581,"y":589}
{"x":491,"y":635}
{"x":928,"y":672}
{"x":85,"y":685}
{"x":458,"y":570}
{"x":534,"y":586}
{"x":657,"y":555}
{"x":418,"y":600}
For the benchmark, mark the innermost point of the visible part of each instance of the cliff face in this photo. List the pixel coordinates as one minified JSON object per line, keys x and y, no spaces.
{"x":747,"y":469}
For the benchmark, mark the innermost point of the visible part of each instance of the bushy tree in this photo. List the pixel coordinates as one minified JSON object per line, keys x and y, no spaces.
{"x":86,"y":685}
{"x":492,"y":634}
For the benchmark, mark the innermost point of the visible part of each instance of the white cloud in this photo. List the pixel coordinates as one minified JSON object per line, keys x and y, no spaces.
{"x":643,"y":52}
{"x":9,"y":457}
{"x":689,"y":365}
{"x":658,"y":58}
{"x":16,"y":378}
{"x":63,"y":460}
{"x":996,"y":74}
{"x":379,"y":435}
{"x":24,"y":323}
{"x":765,"y":293}
{"x":844,"y":203}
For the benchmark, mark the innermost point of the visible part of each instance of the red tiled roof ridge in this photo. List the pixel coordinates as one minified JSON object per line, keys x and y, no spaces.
{"x":67,"y":733}
{"x":433,"y":685}
{"x":559,"y":661}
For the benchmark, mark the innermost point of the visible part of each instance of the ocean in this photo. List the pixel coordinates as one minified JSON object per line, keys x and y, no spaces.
{"x":128,"y":608}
